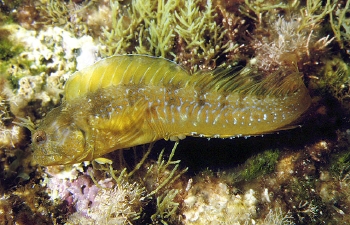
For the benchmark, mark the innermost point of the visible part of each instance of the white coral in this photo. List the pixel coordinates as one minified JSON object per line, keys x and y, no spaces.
{"x":214,"y":204}
{"x":10,"y":136}
{"x":54,"y":50}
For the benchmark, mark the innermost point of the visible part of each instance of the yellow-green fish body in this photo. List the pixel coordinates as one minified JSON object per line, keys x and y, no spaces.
{"x":124,"y":101}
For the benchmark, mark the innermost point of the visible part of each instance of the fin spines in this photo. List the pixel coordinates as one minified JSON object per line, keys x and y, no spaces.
{"x":148,"y":70}
{"x":247,"y":80}
{"x":125,"y":70}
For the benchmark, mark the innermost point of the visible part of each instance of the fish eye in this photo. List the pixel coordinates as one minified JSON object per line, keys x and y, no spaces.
{"x":39,"y":137}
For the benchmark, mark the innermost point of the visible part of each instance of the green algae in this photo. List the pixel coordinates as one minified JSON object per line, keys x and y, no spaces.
{"x":334,"y":79}
{"x":340,"y":165}
{"x":144,"y":27}
{"x":256,"y":166}
{"x":307,"y":206}
{"x":9,"y":57}
{"x":259,"y":165}
{"x":155,"y":195}
{"x":8,"y":49}
{"x":340,"y":23}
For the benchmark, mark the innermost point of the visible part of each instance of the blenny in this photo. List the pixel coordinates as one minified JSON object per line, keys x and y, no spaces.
{"x":129,"y":100}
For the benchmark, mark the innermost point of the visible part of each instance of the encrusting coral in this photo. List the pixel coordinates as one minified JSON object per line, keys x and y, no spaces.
{"x":37,"y":74}
{"x":215,"y":203}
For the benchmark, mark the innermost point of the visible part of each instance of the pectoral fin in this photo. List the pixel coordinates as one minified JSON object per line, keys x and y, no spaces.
{"x":125,"y":124}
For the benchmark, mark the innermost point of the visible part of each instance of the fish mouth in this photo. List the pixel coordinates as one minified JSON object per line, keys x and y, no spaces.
{"x":38,"y":158}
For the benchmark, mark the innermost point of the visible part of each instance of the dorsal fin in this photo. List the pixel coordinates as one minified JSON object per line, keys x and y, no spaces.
{"x":128,"y":70}
{"x":148,"y":70}
{"x":246,"y":80}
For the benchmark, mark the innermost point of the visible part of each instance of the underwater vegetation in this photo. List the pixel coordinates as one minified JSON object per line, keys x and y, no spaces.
{"x":184,"y":31}
{"x":298,"y":176}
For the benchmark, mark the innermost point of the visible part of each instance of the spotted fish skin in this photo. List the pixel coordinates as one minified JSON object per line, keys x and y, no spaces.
{"x":129,"y":100}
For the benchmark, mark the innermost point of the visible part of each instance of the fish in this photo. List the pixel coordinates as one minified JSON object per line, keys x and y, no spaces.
{"x":129,"y":100}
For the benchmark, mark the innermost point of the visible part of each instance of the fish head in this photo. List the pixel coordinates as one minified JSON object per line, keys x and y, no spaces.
{"x":58,"y":140}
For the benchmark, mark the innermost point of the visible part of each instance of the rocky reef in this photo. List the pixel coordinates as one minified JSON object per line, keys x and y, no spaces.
{"x":294,"y":176}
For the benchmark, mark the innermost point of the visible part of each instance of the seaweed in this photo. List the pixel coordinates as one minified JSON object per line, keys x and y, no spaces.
{"x":185,"y":31}
{"x":69,"y":15}
{"x":334,"y":80}
{"x":256,"y":166}
{"x":259,"y":165}
{"x":144,"y":194}
{"x":340,"y":23}
{"x":8,"y":49}
{"x":201,"y":35}
{"x":143,"y":27}
{"x":340,"y":166}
